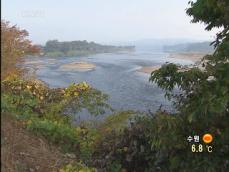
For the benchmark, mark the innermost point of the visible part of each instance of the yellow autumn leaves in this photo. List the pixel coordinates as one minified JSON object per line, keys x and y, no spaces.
{"x":77,"y":167}
{"x":40,"y":90}
{"x":76,"y":89}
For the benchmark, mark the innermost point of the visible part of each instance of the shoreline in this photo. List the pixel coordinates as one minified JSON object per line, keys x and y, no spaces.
{"x":148,"y":69}
{"x":194,"y":57}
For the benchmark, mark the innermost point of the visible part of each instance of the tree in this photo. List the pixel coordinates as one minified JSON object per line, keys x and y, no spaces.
{"x":204,"y":91}
{"x":203,"y":102}
{"x":213,"y":13}
{"x":14,"y":46}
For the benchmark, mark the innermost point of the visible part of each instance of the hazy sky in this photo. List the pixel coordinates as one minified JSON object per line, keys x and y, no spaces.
{"x":103,"y":20}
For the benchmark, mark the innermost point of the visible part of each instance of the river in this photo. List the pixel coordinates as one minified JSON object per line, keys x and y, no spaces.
{"x":115,"y":74}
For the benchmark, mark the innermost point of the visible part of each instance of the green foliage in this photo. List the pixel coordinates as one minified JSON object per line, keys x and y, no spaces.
{"x":54,"y":48}
{"x":117,"y":121}
{"x":55,"y":101}
{"x":41,"y":110}
{"x":213,"y":13}
{"x":114,"y":167}
{"x":55,"y":54}
{"x":93,"y":100}
{"x":89,"y":138}
{"x":158,"y":143}
{"x":205,"y":90}
{"x":128,"y":150}
{"x":77,"y":167}
{"x":55,"y":132}
{"x":202,"y":103}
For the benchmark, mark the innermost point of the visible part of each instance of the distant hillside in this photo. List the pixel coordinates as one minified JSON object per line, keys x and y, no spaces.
{"x":155,"y":44}
{"x":200,"y":47}
{"x":54,"y":48}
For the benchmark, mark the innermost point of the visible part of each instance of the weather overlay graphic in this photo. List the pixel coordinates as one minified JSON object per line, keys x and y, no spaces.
{"x":199,"y":144}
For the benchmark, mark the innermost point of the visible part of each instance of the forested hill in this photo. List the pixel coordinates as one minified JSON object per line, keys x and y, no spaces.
{"x":54,"y":48}
{"x":199,"y":47}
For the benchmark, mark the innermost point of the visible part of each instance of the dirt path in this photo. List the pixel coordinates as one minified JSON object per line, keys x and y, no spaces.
{"x":22,"y":151}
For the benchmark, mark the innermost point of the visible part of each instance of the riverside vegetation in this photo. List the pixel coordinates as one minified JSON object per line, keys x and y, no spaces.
{"x":54,"y":48}
{"x":131,"y":141}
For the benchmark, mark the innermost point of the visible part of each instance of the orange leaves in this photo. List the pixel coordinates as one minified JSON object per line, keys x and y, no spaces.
{"x":14,"y":46}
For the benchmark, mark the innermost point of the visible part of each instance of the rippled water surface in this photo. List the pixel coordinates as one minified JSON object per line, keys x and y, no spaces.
{"x":115,"y":74}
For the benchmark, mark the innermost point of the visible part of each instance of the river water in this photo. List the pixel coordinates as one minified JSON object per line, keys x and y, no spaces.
{"x":115,"y":74}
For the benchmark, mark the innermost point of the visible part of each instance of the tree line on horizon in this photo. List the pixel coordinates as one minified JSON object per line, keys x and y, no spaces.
{"x":195,"y":47}
{"x":57,"y":48}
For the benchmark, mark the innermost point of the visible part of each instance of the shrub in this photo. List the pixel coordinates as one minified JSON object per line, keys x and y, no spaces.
{"x":159,"y":143}
{"x":55,"y":101}
{"x":77,"y":167}
{"x":55,"y":132}
{"x":42,"y":109}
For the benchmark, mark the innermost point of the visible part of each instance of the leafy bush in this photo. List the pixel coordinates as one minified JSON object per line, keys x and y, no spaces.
{"x":56,"y":133}
{"x":117,"y":121}
{"x":128,"y":150}
{"x":115,"y":167}
{"x":60,"y":100}
{"x":41,"y":110}
{"x":159,"y":143}
{"x":77,"y":167}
